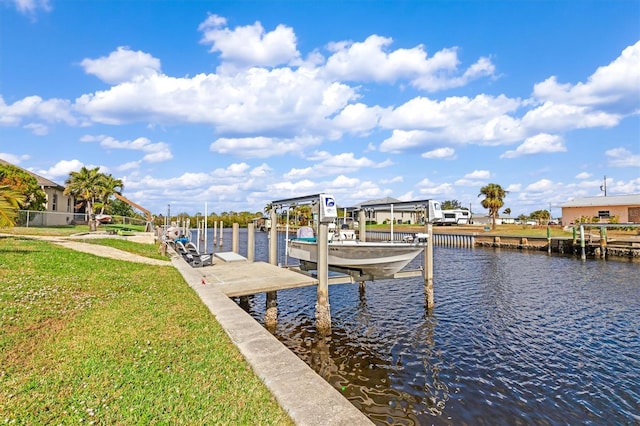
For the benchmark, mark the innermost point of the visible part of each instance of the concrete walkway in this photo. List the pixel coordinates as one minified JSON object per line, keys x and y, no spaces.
{"x":306,"y":397}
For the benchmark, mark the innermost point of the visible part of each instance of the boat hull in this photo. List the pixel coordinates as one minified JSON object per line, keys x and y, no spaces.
{"x":374,"y":259}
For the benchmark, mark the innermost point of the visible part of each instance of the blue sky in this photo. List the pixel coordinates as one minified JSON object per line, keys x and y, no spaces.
{"x":237,"y":103}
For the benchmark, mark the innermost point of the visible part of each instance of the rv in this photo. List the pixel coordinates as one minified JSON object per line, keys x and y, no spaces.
{"x":455,"y":217}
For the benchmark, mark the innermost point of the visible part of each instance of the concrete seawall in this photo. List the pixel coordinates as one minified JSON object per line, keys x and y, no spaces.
{"x":306,"y":396}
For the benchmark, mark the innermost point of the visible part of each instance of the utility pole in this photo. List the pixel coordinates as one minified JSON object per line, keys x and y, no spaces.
{"x":604,"y":186}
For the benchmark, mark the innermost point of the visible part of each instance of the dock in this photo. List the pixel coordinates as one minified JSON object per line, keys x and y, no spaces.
{"x":242,"y":278}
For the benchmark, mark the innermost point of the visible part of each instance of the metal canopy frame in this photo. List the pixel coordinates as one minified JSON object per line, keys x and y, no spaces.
{"x":307,"y":199}
{"x":400,"y":206}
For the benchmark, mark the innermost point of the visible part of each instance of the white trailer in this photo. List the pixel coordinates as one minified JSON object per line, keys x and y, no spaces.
{"x":455,"y":217}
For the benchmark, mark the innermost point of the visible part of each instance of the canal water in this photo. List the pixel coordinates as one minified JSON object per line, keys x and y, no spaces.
{"x":515,"y":338}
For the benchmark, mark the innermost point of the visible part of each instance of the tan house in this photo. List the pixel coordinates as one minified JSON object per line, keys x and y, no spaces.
{"x":59,"y":208}
{"x":624,"y":208}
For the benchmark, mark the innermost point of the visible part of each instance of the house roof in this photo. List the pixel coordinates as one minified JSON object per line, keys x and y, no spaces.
{"x":602,"y":201}
{"x":387,"y":200}
{"x":43,"y":182}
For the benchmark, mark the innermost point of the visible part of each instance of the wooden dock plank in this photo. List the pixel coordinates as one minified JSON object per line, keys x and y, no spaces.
{"x":246,"y":278}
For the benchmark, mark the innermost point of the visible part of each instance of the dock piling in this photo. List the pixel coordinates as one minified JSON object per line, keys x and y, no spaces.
{"x":271,"y":311}
{"x":271,"y":308}
{"x":251,"y":242}
{"x":603,"y":242}
{"x":323,"y":313}
{"x":583,"y":254}
{"x":235,"y":237}
{"x":362,"y":226}
{"x":428,"y":268}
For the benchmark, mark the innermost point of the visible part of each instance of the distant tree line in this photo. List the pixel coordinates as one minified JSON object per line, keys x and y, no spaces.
{"x":94,"y":191}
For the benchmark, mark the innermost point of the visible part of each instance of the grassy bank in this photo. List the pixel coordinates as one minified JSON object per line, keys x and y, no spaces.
{"x":48,"y":231}
{"x":95,"y":340}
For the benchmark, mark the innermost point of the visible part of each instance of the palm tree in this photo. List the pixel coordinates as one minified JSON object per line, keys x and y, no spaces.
{"x":108,"y":187}
{"x":493,"y":194}
{"x":85,"y":185}
{"x":10,"y":202}
{"x":267,"y":210}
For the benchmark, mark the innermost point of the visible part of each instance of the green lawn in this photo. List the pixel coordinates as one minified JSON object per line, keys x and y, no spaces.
{"x":85,"y":339}
{"x":54,"y":231}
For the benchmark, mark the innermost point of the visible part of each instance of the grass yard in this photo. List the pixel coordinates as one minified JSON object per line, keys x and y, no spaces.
{"x":62,"y":231}
{"x":85,"y":339}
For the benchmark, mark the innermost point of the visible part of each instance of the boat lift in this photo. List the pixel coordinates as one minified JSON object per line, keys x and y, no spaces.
{"x":327,"y":213}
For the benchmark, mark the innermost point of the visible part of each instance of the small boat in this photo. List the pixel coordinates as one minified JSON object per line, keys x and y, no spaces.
{"x":103,"y":218}
{"x":346,"y":254}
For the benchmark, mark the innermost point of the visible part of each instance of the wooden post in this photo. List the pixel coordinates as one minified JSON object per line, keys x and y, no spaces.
{"x":251,"y":242}
{"x":583,"y":254}
{"x":603,"y":242}
{"x":271,"y":312}
{"x":215,"y":232}
{"x":428,"y":268}
{"x":362,"y":225}
{"x":273,"y":238}
{"x":221,"y":229}
{"x":323,"y":313}
{"x":548,"y":239}
{"x":235,"y":238}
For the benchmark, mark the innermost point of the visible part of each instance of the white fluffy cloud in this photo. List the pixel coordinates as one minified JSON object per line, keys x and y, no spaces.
{"x":358,"y":118}
{"x":36,"y":108}
{"x":262,"y":147}
{"x":250,"y":45}
{"x":440,"y":154}
{"x":13,"y":158}
{"x":543,"y":185}
{"x":333,"y":164}
{"x":483,"y":120}
{"x":254,"y":101}
{"x":475,"y":178}
{"x":542,"y":143}
{"x":154,"y":152}
{"x":621,"y":157}
{"x":122,"y":65}
{"x":616,"y":84}
{"x":62,"y":169}
{"x":371,"y":60}
{"x":433,"y":189}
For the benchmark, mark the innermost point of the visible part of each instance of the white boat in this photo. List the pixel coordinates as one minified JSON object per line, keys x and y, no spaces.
{"x":376,"y":259}
{"x":103,"y":218}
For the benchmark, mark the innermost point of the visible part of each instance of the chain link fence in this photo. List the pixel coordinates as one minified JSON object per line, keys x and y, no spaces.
{"x":34,"y":218}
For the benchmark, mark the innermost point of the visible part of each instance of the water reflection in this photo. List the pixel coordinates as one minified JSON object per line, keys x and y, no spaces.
{"x":514,"y":338}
